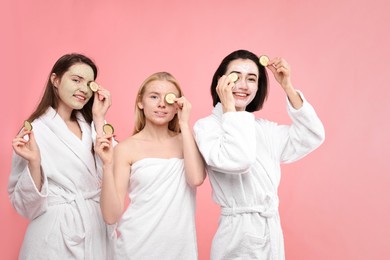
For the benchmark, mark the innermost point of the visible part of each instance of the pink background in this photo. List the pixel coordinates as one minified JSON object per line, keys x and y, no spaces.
{"x":335,"y":203}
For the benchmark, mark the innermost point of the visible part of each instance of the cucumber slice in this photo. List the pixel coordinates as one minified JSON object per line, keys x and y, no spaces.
{"x":264,"y":60}
{"x":108,"y":129}
{"x":233,"y":77}
{"x":93,"y":86}
{"x":170,"y":98}
{"x":28,"y":125}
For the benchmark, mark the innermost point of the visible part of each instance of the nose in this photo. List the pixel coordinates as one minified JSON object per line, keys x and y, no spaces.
{"x":161,"y":102}
{"x":84,"y":87}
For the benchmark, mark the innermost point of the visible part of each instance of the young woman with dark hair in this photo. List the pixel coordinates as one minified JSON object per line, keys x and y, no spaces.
{"x":243,"y":154}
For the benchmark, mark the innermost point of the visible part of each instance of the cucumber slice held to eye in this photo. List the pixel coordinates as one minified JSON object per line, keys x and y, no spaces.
{"x":170,"y":98}
{"x":233,"y":77}
{"x":93,"y":86}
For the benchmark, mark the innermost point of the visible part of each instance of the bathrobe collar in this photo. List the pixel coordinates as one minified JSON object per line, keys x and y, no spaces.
{"x":81,"y":148}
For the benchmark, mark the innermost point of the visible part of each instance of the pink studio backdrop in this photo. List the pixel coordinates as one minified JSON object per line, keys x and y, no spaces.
{"x":335,"y":203}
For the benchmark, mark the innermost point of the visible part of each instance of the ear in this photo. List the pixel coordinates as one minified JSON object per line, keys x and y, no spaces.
{"x":53,"y":79}
{"x":140,"y":106}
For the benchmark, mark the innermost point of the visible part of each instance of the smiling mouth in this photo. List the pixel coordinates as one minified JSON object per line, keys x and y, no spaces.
{"x":241,"y":94}
{"x":81,"y":98}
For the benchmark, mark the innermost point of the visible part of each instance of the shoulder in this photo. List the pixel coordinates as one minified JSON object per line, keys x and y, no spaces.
{"x":205,"y":122}
{"x":125,"y":145}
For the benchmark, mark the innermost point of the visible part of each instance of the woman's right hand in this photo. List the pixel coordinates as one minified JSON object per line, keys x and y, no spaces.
{"x":28,"y":149}
{"x":224,"y":90}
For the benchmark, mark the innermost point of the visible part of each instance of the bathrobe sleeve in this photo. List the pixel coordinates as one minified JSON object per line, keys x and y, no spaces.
{"x":227,"y":141}
{"x":304,"y":135}
{"x":24,"y":195}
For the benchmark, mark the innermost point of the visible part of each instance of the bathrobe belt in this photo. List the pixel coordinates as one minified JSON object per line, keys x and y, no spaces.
{"x":269,"y":210}
{"x":79,"y":199}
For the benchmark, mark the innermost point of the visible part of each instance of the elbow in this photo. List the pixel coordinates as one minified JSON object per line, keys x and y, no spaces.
{"x":109,"y":216}
{"x":197,"y":181}
{"x":110,"y":219}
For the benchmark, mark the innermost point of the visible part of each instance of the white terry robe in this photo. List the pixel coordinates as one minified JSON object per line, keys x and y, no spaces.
{"x":243,"y":157}
{"x":65,"y":217}
{"x":160,"y":220}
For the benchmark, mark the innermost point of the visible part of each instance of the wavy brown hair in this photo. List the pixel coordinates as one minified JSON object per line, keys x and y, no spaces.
{"x":139,"y":117}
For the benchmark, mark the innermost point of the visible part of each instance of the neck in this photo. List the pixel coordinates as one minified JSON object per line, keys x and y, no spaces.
{"x":65,"y":114}
{"x":156,"y":133}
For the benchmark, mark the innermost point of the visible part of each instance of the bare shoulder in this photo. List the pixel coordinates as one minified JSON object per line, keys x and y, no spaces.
{"x":124,"y":150}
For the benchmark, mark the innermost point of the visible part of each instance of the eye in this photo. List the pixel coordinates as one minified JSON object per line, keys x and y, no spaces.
{"x":76,"y":80}
{"x":153,"y":96}
{"x":252,"y":79}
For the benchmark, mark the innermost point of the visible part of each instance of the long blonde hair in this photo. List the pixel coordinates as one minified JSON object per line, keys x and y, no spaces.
{"x":139,"y":117}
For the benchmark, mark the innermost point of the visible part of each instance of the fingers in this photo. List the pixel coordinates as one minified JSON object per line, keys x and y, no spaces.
{"x":103,"y":94}
{"x":104,"y":143}
{"x":18,"y":142}
{"x":224,"y":87}
{"x":182,"y":102}
{"x":279,"y":64}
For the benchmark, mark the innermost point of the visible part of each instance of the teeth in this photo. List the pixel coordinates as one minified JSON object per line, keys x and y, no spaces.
{"x":240,"y":94}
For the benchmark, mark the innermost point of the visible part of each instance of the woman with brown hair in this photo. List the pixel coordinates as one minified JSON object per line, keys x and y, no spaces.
{"x":55,"y":177}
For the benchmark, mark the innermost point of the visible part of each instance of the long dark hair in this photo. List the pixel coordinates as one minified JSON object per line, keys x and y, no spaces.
{"x":50,"y":97}
{"x":262,"y":91}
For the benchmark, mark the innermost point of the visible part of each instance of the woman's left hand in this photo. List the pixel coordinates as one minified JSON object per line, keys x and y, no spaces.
{"x":104,"y":148}
{"x":102,"y":102}
{"x":281,"y":70}
{"x":184,"y":109}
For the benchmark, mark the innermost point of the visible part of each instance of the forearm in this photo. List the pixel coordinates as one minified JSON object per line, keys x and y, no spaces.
{"x":36,"y":174}
{"x":110,"y":203}
{"x":193,"y":161}
{"x":98,"y":121}
{"x":293,"y":96}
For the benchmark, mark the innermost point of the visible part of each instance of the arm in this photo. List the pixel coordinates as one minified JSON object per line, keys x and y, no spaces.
{"x":282,"y":73}
{"x":27,"y":186}
{"x":101,"y":104}
{"x":227,"y":142}
{"x":307,"y":132}
{"x":304,"y":135}
{"x":193,"y":161}
{"x":115,"y":179}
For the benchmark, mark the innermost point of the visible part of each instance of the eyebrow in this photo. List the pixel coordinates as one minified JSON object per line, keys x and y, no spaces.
{"x":154,"y":92}
{"x":250,"y":74}
{"x":76,"y":75}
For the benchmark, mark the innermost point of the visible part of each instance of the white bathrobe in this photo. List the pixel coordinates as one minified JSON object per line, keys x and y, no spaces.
{"x":65,"y":216}
{"x":243,"y":156}
{"x":159,"y":223}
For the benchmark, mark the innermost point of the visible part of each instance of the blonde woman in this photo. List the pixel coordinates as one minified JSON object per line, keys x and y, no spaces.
{"x":159,"y":167}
